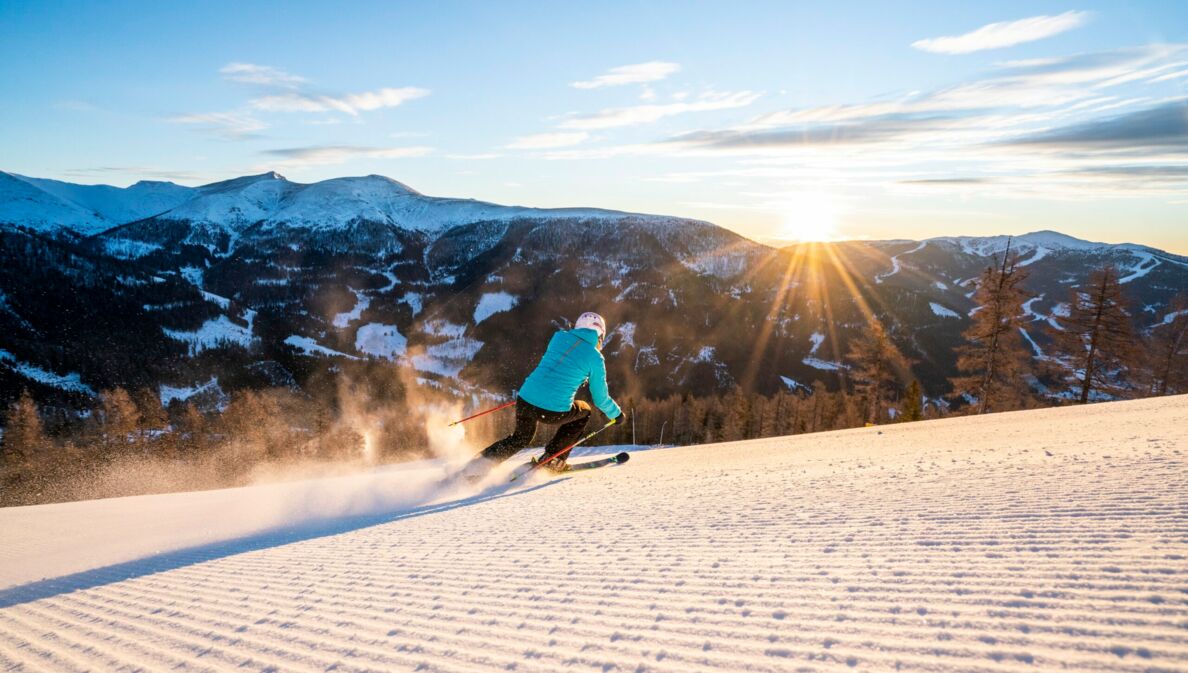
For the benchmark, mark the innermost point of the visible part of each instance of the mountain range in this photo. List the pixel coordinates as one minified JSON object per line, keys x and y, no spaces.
{"x":260,"y":281}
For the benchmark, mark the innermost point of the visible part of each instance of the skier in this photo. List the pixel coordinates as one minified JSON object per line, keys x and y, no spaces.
{"x":572,"y":358}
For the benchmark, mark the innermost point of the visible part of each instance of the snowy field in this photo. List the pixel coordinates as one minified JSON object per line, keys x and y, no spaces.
{"x":1035,"y":541}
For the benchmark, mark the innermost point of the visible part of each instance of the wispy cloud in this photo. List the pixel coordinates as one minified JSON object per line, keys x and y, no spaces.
{"x":1015,"y":98}
{"x":1160,"y":128}
{"x":260,"y":75}
{"x":646,"y":114}
{"x":1004,"y":34}
{"x":867,"y":130}
{"x":638,"y":73}
{"x":281,"y":91}
{"x":229,"y":125}
{"x":351,"y":104}
{"x":947,"y":182}
{"x":136,"y":172}
{"x":474,"y":157}
{"x":1053,"y":128}
{"x":75,"y":105}
{"x":540,"y":141}
{"x":326,"y":155}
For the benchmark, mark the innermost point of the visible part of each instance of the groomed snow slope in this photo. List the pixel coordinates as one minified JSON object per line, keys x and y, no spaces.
{"x":1033,"y":541}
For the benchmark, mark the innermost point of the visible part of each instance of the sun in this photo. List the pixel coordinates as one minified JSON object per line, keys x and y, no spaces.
{"x":809,"y":217}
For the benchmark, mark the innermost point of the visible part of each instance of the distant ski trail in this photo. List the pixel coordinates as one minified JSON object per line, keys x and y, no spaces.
{"x":1031,"y":541}
{"x":895,"y":265}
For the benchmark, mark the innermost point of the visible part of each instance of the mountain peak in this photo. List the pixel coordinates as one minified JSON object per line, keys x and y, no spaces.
{"x":1055,"y":239}
{"x":240,"y":182}
{"x":377,"y":179}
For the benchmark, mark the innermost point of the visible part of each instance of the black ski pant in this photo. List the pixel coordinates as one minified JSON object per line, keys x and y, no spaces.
{"x":572,"y":422}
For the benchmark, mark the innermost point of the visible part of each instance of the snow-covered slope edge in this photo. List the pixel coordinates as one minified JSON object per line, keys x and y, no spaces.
{"x":1036,"y":540}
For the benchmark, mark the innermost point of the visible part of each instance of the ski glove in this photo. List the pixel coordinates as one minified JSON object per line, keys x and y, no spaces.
{"x":621,"y":419}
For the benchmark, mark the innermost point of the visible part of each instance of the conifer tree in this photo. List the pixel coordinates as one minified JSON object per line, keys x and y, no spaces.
{"x":1169,"y":351}
{"x":735,"y":411}
{"x":913,"y":403}
{"x":118,"y":417}
{"x":994,"y":359}
{"x":1098,"y":339}
{"x":191,"y":430}
{"x":24,"y":435}
{"x":152,"y":414}
{"x":877,"y":367}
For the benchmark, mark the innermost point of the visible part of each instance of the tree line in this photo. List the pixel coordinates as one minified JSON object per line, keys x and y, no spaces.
{"x":112,"y":448}
{"x":1093,"y":351}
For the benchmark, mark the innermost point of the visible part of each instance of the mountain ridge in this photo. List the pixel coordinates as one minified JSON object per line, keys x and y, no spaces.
{"x":69,"y":192}
{"x":258,"y":281}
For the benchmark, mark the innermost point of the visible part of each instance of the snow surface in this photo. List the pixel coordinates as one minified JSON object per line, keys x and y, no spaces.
{"x":312,"y":348}
{"x":222,"y":302}
{"x":1171,"y":317}
{"x":491,"y":303}
{"x":118,"y":205}
{"x":126,"y":248}
{"x":1029,"y":312}
{"x":794,"y":385}
{"x":824,"y":365}
{"x":275,"y":204}
{"x":895,"y":266}
{"x":170,"y":393}
{"x":70,"y":382}
{"x":817,"y":338}
{"x":1147,"y":263}
{"x":1038,"y":352}
{"x":214,"y":333}
{"x":24,"y":204}
{"x":1040,"y":253}
{"x":382,"y":341}
{"x":448,"y":358}
{"x":362,"y":301}
{"x":626,"y":336}
{"x":942,"y":311}
{"x":413,"y":299}
{"x":52,"y":205}
{"x":1033,"y":541}
{"x":1039,"y":244}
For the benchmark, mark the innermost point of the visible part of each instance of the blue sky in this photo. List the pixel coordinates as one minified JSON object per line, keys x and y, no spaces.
{"x":780,"y":120}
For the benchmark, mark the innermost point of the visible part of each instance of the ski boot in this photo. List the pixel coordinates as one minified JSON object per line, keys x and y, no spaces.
{"x":556,"y":465}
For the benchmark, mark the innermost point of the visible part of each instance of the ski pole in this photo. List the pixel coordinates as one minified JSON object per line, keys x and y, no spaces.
{"x":482,"y":413}
{"x":542,"y":462}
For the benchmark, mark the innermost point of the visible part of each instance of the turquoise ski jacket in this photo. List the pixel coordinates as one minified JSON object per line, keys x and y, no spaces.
{"x":571,"y":359}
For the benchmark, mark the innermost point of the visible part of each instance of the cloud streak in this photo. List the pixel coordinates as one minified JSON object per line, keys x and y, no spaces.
{"x":351,"y":104}
{"x":1160,"y":128}
{"x":328,"y":155}
{"x":260,"y":75}
{"x":646,"y":114}
{"x":229,"y":125}
{"x":281,"y":91}
{"x":638,"y":73}
{"x":541,"y":141}
{"x":1004,"y":34}
{"x":868,"y":130}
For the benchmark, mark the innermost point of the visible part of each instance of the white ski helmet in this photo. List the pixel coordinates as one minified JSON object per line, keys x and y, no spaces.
{"x":592,"y":321}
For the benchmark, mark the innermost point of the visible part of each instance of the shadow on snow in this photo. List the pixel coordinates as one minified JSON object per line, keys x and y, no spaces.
{"x":89,"y":579}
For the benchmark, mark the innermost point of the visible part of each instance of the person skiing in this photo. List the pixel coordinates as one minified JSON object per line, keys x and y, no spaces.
{"x":573,"y":357}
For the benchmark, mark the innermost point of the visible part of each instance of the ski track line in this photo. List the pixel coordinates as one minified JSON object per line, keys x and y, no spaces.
{"x":1020,"y":542}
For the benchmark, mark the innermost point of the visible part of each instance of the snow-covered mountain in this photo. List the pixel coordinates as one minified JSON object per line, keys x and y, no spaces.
{"x":53,"y":206}
{"x":380,"y":215}
{"x":260,"y":281}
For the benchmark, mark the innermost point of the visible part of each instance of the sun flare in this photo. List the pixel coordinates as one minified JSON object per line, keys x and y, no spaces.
{"x":810,"y":217}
